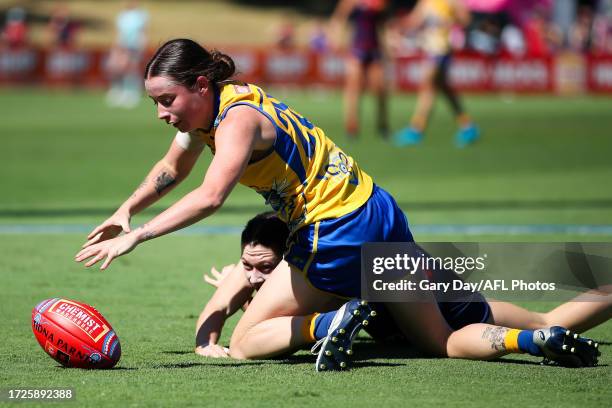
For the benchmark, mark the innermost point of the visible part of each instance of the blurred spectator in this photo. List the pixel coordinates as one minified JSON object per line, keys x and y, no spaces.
{"x":15,"y":33}
{"x":285,"y":35}
{"x":318,"y":42}
{"x":541,"y":35}
{"x":580,"y":34}
{"x":512,"y":40}
{"x":125,"y":59}
{"x":484,"y":35}
{"x":602,"y":28}
{"x":62,"y":28}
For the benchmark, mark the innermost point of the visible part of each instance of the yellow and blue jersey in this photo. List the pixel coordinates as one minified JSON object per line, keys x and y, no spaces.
{"x":305,"y":177}
{"x":438,"y":19}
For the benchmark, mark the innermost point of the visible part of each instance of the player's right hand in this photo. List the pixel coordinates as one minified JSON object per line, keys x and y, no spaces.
{"x":119,"y":221}
{"x":212,"y":350}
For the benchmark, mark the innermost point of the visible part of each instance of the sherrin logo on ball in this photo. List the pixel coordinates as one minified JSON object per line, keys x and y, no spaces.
{"x":75,"y":334}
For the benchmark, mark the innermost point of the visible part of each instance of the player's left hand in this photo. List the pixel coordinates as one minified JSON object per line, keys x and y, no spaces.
{"x":216,"y":278}
{"x":109,"y":249}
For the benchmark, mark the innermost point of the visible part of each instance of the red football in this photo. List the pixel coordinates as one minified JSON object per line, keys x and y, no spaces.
{"x":75,"y":334}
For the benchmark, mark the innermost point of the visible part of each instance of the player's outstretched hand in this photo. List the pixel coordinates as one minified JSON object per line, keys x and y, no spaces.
{"x":119,"y":221}
{"x":216,"y":278}
{"x":212,"y":350}
{"x":107,"y":250}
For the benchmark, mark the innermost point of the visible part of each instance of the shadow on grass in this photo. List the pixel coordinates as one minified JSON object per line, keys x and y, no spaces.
{"x":97,"y":369}
{"x":536,"y":363}
{"x":220,"y":364}
{"x":366,"y":350}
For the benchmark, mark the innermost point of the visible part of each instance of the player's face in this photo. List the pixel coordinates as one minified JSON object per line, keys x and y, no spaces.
{"x":258,"y":262}
{"x":184,"y":108}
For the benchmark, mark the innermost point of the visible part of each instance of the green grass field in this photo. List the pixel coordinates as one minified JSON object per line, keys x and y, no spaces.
{"x":67,"y":161}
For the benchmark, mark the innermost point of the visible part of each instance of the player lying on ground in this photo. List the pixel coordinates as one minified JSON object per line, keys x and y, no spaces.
{"x":318,"y":190}
{"x":263,"y":245}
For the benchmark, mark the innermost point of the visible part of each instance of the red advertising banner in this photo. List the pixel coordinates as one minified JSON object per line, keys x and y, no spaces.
{"x":564,"y":73}
{"x":599,"y":77}
{"x":20,"y":66}
{"x":480,"y":74}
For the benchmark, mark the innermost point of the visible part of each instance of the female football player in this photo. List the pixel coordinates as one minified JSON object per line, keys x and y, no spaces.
{"x":364,"y":63}
{"x":435,"y":18}
{"x":262,"y":247}
{"x":331,"y":207}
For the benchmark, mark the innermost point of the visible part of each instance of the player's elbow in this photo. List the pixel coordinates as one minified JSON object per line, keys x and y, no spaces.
{"x":210,"y":201}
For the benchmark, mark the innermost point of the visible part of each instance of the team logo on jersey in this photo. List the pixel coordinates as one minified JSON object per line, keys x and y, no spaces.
{"x":340,"y":165}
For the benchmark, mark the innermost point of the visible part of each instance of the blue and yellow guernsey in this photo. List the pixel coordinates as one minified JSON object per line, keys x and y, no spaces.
{"x":305,"y":178}
{"x":439,"y":18}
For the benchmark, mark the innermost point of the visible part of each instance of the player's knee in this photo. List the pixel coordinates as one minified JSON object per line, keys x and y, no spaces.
{"x":237,"y":350}
{"x":438,"y":347}
{"x":237,"y":353}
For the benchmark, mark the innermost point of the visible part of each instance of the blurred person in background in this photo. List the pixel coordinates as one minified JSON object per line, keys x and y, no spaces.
{"x":285,"y":34}
{"x":580,"y":38}
{"x":62,"y":28}
{"x":318,"y":42}
{"x":542,"y":36}
{"x":602,"y":28}
{"x":15,"y":32}
{"x":125,"y":58}
{"x":435,"y":19}
{"x":365,"y":61}
{"x":513,"y":41}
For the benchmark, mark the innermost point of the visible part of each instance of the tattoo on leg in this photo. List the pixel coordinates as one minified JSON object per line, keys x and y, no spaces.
{"x":163,"y":181}
{"x":495,"y":336}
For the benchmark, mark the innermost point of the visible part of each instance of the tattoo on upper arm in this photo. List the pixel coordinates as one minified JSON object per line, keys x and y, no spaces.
{"x":496,"y":336}
{"x":163,"y":181}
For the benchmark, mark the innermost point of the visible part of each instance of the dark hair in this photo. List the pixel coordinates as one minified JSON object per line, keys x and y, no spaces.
{"x":183,"y":60}
{"x":268,"y":230}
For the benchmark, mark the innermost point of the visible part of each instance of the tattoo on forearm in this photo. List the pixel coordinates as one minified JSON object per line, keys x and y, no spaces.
{"x":163,"y":181}
{"x":140,"y":187}
{"x":496,"y":336}
{"x":149,"y":234}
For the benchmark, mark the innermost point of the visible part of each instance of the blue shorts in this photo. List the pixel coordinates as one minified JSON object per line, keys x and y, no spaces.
{"x":366,"y":56}
{"x":457,"y":315}
{"x":328,"y":252}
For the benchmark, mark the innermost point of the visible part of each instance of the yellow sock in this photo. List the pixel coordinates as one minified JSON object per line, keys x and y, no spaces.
{"x":308,"y":326}
{"x":418,"y":122}
{"x":511,"y":341}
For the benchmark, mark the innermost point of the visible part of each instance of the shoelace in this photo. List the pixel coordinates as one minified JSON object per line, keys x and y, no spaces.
{"x":315,"y":349}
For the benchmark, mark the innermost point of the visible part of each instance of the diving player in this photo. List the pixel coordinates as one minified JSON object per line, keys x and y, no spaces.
{"x":319,"y":191}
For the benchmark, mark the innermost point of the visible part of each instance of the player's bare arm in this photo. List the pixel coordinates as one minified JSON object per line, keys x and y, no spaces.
{"x":166,"y":174}
{"x":235,"y":141}
{"x":233,"y":292}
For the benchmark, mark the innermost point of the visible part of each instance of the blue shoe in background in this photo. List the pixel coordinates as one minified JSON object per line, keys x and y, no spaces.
{"x":408,"y":137}
{"x":467,"y":135}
